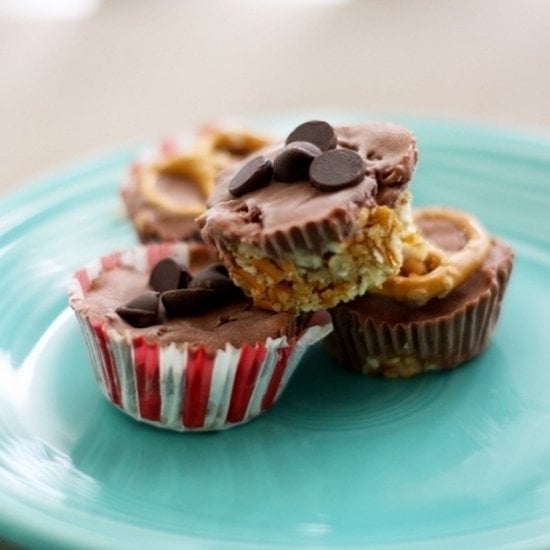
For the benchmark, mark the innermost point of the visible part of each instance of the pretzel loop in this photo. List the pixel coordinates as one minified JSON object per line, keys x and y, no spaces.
{"x":214,"y":150}
{"x":442,"y":270}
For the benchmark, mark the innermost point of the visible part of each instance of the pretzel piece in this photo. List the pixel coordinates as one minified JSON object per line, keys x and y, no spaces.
{"x":444,"y":270}
{"x":194,"y":166}
{"x":223,"y":145}
{"x":215,"y":149}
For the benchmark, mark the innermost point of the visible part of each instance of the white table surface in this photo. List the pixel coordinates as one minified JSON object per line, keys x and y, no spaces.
{"x":137,"y":69}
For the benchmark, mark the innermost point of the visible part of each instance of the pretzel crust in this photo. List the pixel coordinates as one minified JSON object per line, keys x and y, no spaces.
{"x":440,"y":271}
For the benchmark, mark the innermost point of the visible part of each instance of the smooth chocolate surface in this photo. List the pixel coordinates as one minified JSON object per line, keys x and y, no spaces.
{"x":267,"y":216}
{"x":181,"y":293}
{"x":180,"y":190}
{"x":235,"y":321}
{"x":443,"y":233}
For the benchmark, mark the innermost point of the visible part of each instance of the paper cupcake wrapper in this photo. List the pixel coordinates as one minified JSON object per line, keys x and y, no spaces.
{"x":371,"y":346}
{"x":184,"y":387}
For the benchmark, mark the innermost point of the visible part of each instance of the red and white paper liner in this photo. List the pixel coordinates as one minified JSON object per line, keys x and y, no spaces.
{"x":366,"y":343}
{"x":180,"y":386}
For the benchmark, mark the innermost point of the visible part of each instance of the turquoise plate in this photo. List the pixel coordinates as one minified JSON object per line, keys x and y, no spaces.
{"x":457,"y":459}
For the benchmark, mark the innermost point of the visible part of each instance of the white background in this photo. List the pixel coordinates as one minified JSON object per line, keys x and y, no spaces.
{"x":133,"y":70}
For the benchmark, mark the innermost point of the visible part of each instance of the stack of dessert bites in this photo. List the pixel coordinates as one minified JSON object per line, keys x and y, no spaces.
{"x":325,"y":221}
{"x":298,"y":237}
{"x":316,"y":221}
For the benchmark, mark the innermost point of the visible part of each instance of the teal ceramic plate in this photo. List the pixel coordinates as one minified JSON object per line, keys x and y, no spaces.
{"x":457,"y":459}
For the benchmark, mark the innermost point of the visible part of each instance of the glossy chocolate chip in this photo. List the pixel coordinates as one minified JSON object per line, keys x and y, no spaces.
{"x":336,"y":169}
{"x":215,"y":277}
{"x":188,"y":301}
{"x":318,"y":132}
{"x":255,"y":174}
{"x":142,"y":311}
{"x":169,"y":274}
{"x":293,"y":161}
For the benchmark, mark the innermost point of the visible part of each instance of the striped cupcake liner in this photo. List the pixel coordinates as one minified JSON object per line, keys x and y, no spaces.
{"x":180,"y":386}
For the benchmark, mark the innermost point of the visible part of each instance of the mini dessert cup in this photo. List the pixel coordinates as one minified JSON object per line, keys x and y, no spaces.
{"x":436,"y":314}
{"x":167,"y":187}
{"x":318,"y":220}
{"x":209,"y":370}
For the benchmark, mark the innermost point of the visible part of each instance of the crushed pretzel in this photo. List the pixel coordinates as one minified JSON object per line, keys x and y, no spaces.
{"x":308,"y":281}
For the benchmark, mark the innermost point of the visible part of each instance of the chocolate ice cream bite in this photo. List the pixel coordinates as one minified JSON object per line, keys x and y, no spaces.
{"x":438,"y":312}
{"x":317,"y":220}
{"x":175,"y":343}
{"x":167,"y":187}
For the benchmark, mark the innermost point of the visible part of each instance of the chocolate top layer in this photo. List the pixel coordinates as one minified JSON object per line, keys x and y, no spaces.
{"x":389,"y":153}
{"x":236,"y":321}
{"x":443,"y":233}
{"x":448,"y":237}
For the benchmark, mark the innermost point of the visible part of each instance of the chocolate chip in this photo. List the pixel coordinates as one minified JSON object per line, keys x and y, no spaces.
{"x":293,"y":161}
{"x":169,"y":274}
{"x":318,"y":132}
{"x":336,"y":169}
{"x":188,"y":301}
{"x":215,"y":277}
{"x":142,"y":311}
{"x":220,"y":268}
{"x":255,"y":174}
